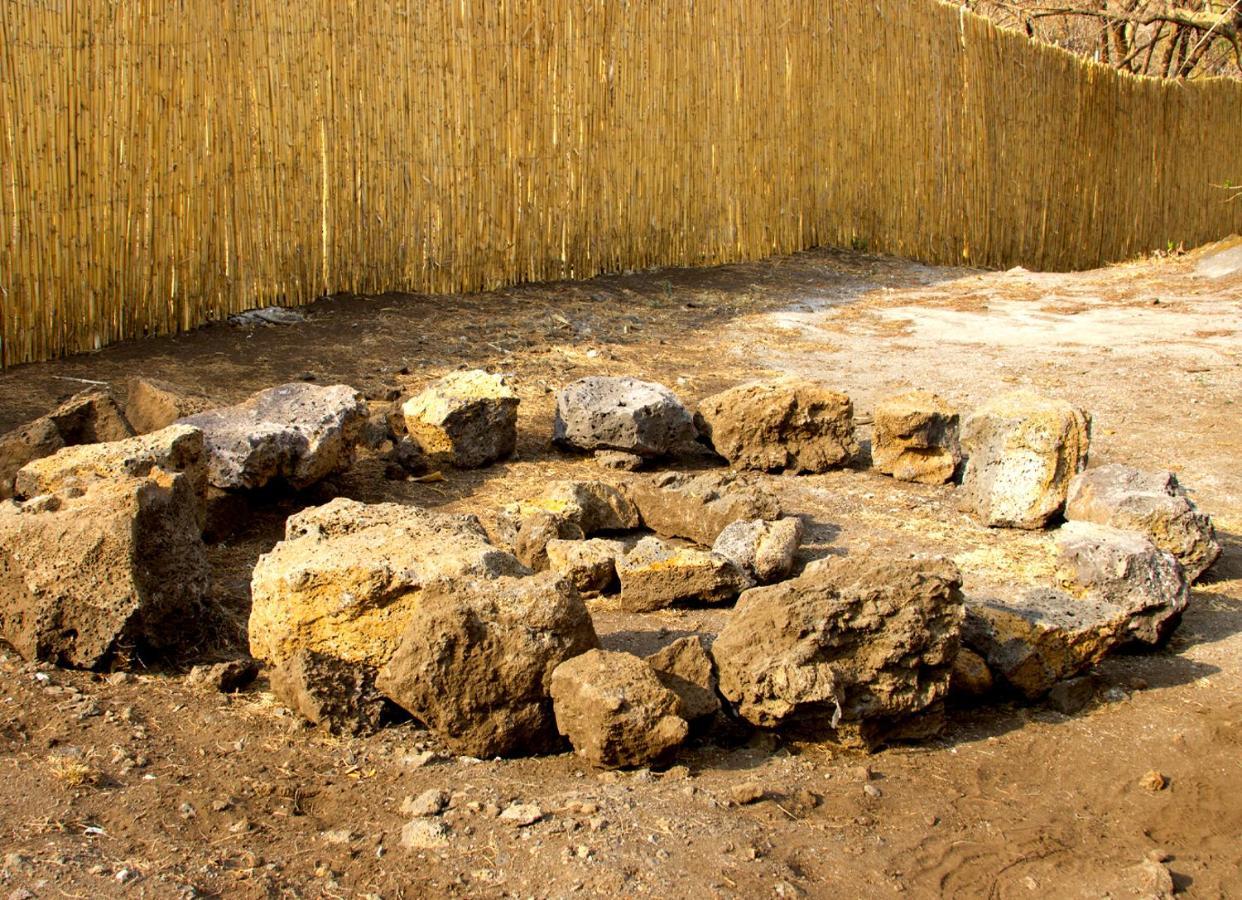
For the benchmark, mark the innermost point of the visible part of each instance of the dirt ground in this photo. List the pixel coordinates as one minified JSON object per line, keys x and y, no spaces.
{"x":142,"y":786}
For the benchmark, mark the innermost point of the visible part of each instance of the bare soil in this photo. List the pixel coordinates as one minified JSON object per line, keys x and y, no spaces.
{"x":144,"y":786}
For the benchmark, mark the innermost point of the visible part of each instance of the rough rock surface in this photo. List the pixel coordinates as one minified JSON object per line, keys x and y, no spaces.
{"x":178,"y":448}
{"x":590,"y":566}
{"x":686,"y":669}
{"x":1040,"y":636}
{"x":536,"y":531}
{"x":154,"y":405}
{"x":853,"y":646}
{"x":477,"y":656}
{"x":605,"y":413}
{"x":1022,"y":451}
{"x":594,"y":506}
{"x":1151,"y":502}
{"x":85,"y":418}
{"x":297,"y":432}
{"x":971,"y":676}
{"x":789,"y":423}
{"x":914,"y":437}
{"x":655,"y":575}
{"x":700,"y":507}
{"x":1127,"y":570}
{"x":348,"y":576}
{"x":466,"y":419}
{"x":116,"y":562}
{"x":615,"y":711}
{"x":763,"y":550}
{"x":328,"y":691}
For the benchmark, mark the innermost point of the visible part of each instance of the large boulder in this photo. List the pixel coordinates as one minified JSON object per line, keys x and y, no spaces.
{"x":348,"y":576}
{"x":700,"y":507}
{"x":101,"y":566}
{"x":914,"y":437}
{"x":1037,"y":637}
{"x":1022,"y":451}
{"x":615,"y":711}
{"x":605,"y":413}
{"x":1153,"y":503}
{"x":686,"y":668}
{"x":852,"y":647}
{"x":85,"y":418}
{"x":763,"y":550}
{"x":1127,"y":570}
{"x":655,"y":575}
{"x":789,"y":423}
{"x":594,"y":506}
{"x":298,"y":433}
{"x":152,"y":405}
{"x":466,"y":419}
{"x":328,"y":691}
{"x":476,"y":660}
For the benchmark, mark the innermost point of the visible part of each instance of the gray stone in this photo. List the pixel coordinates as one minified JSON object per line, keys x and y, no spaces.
{"x":1022,"y":451}
{"x":655,"y":575}
{"x":854,"y":647}
{"x":1127,"y":570}
{"x":429,"y":803}
{"x":1153,"y":503}
{"x":466,"y":419}
{"x":298,"y":433}
{"x":605,"y":413}
{"x":700,"y":507}
{"x":763,"y":550}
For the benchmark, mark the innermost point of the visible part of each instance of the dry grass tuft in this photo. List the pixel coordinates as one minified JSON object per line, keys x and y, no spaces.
{"x":72,"y":772}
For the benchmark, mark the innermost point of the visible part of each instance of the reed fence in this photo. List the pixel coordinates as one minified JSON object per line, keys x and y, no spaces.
{"x":167,"y":164}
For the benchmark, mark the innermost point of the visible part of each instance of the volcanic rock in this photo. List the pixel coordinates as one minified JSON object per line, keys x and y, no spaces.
{"x":763,"y":550}
{"x":466,"y":419}
{"x":605,"y":413}
{"x":590,"y":566}
{"x":700,"y":507}
{"x":915,"y":438}
{"x":329,"y":691}
{"x":686,"y":669}
{"x":655,"y":575}
{"x":154,"y":405}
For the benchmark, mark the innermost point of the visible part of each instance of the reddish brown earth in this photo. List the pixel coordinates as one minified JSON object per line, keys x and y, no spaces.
{"x":143,"y":786}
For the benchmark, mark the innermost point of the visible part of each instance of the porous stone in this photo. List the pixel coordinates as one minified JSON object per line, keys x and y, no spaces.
{"x":1153,"y":503}
{"x":1022,"y":450}
{"x":1127,"y":570}
{"x":789,"y":423}
{"x":424,"y":834}
{"x":686,"y":669}
{"x":536,"y":530}
{"x":112,"y":563}
{"x":619,"y":460}
{"x":298,"y":433}
{"x":1037,"y":637}
{"x":763,"y":550}
{"x":329,"y":691}
{"x":853,"y":647}
{"x":914,"y":437}
{"x":655,"y":575}
{"x":348,"y":576}
{"x":971,"y":676}
{"x":466,"y":419}
{"x":700,"y":507}
{"x":476,"y":658}
{"x":594,"y":506}
{"x":85,"y":418}
{"x":590,"y":566}
{"x":615,"y":711}
{"x":607,"y":413}
{"x":152,"y":405}
{"x":225,"y":677}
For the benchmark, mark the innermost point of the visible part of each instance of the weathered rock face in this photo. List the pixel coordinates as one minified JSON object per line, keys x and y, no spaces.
{"x":915,"y":438}
{"x":615,"y":711}
{"x":1149,"y":502}
{"x":700,"y":507}
{"x":655,"y":575}
{"x":466,"y":419}
{"x":154,"y":405}
{"x":1127,"y":570}
{"x":590,"y":566}
{"x":476,"y":661}
{"x":299,"y":433}
{"x":536,"y":531}
{"x":594,"y":506}
{"x":116,"y":562}
{"x":1022,"y":451}
{"x":348,"y":576}
{"x":338,"y":695}
{"x":853,"y":646}
{"x":971,"y":676}
{"x":789,"y":423}
{"x":85,"y":418}
{"x":1039,"y":637}
{"x":763,"y":550}
{"x":179,"y":448}
{"x":639,"y":417}
{"x":686,"y":669}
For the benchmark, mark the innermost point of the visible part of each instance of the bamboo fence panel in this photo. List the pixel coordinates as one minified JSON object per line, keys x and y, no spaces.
{"x":164,"y":165}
